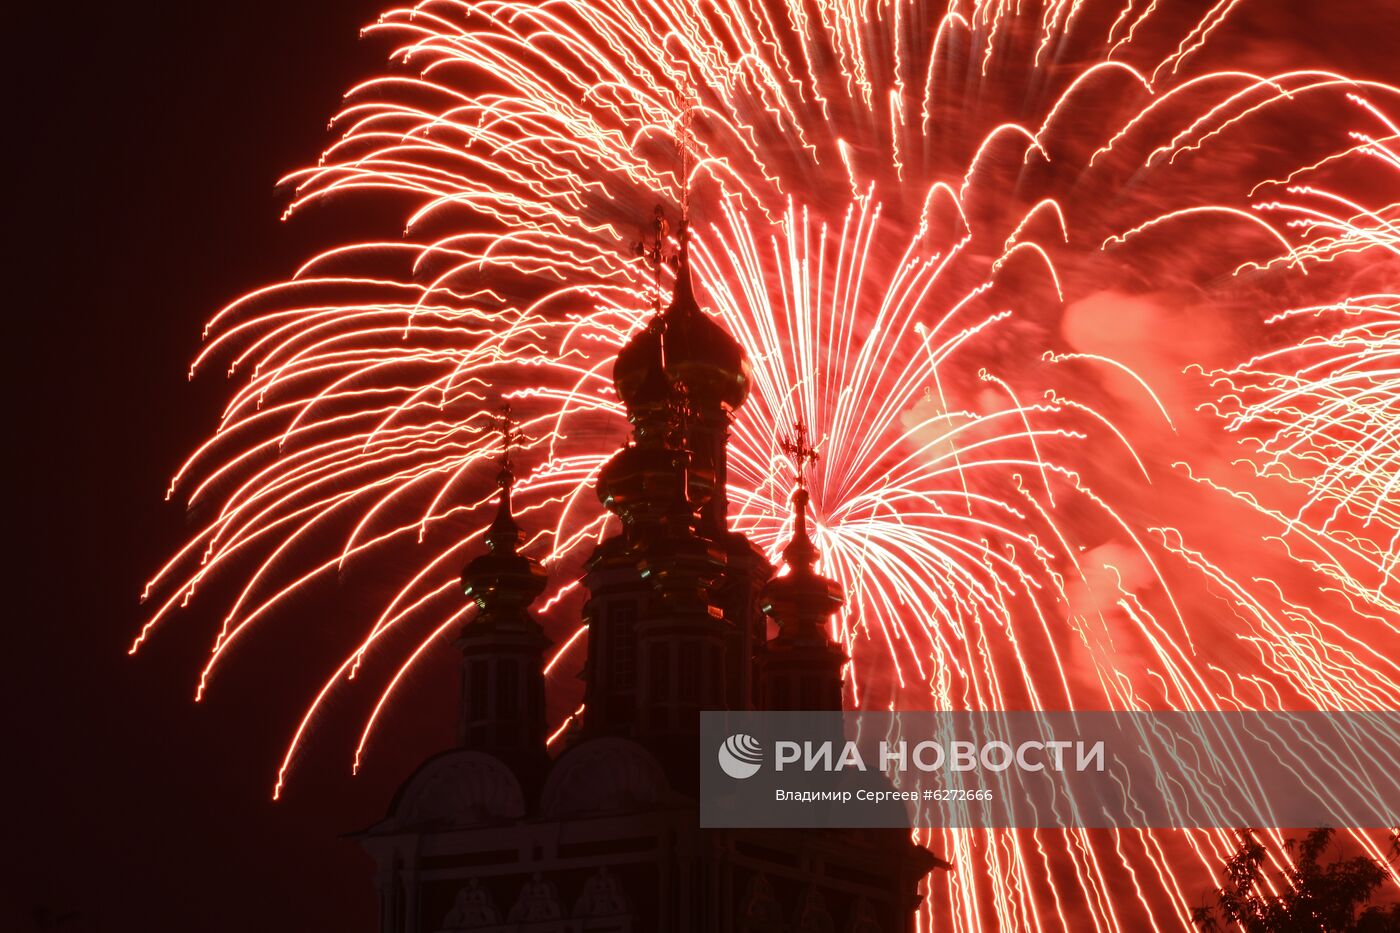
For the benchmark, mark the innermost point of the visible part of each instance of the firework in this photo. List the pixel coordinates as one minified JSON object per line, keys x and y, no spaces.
{"x":894,"y":208}
{"x":1318,"y":408}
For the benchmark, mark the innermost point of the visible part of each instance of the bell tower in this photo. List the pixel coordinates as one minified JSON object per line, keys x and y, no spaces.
{"x":801,"y":666}
{"x":661,"y":648}
{"x":604,"y":833}
{"x":502,"y":706}
{"x":683,"y":634}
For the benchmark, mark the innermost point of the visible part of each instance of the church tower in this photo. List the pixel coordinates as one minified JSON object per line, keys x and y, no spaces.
{"x":653,"y":584}
{"x":502,"y":699}
{"x":801,"y":667}
{"x":598,"y":831}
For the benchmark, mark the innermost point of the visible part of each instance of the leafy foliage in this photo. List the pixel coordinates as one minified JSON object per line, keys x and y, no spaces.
{"x":1314,"y":894}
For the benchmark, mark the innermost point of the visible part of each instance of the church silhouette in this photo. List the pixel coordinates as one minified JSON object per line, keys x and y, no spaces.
{"x":498,"y":834}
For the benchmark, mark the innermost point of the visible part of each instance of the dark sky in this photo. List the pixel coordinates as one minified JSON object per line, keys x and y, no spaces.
{"x":151,"y":136}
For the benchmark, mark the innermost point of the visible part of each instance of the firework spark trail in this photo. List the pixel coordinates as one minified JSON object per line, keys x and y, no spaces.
{"x":892,"y":206}
{"x":1317,"y":414}
{"x":1320,"y":408}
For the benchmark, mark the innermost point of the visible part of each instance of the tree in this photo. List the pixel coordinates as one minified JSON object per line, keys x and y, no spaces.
{"x":1315,"y":896}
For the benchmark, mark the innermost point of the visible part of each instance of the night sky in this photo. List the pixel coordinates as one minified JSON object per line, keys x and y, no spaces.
{"x":152,"y":136}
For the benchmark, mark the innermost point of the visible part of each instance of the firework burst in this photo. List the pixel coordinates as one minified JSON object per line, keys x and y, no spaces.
{"x":1318,"y":408}
{"x":896,"y":208}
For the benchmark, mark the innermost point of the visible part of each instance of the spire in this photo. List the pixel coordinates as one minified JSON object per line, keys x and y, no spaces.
{"x":801,"y":665}
{"x":504,"y":534}
{"x":639,"y":371}
{"x":800,"y":554}
{"x":685,"y":142}
{"x":502,"y":700}
{"x":503,"y":582}
{"x":683,"y":298}
{"x":652,"y":249}
{"x":682,"y":344}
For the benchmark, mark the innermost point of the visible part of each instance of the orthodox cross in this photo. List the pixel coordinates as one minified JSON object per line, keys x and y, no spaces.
{"x":685,"y":142}
{"x":503,"y":534}
{"x":800,"y":450}
{"x":650,"y":245}
{"x":506,"y":425}
{"x":652,"y":250}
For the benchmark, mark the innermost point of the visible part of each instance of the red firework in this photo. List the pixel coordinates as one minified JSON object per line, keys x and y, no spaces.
{"x":934,"y":231}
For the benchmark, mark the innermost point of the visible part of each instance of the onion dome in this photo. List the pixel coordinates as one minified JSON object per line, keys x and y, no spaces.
{"x":643,"y":481}
{"x":801,"y":666}
{"x":803,"y":601}
{"x":698,"y":353}
{"x":637,"y":371}
{"x":683,"y":345}
{"x":503,"y":582}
